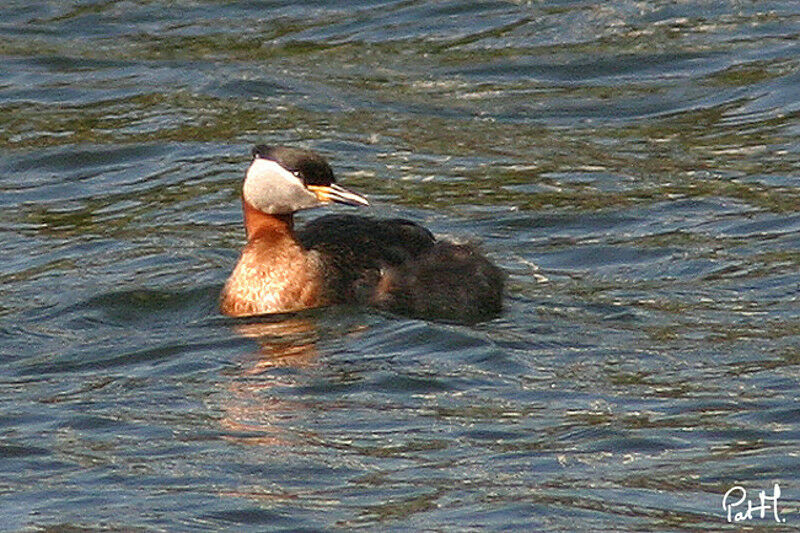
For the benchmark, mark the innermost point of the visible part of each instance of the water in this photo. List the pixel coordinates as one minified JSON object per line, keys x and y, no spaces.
{"x":632,"y":165}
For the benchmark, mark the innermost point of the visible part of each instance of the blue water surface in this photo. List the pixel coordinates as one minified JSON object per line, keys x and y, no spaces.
{"x":633,"y":166}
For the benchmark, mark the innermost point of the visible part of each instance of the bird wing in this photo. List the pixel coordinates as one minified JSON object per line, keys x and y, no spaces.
{"x":357,"y":251}
{"x":366,"y":242}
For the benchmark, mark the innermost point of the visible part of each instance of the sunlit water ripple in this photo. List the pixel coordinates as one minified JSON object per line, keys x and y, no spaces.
{"x":632,"y":165}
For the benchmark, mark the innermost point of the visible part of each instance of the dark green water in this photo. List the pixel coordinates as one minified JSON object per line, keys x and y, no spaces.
{"x":634,"y":166}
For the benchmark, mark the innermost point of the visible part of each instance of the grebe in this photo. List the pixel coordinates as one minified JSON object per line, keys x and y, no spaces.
{"x":391,"y":264}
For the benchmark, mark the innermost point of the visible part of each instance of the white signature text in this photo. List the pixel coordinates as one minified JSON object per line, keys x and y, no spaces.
{"x":733,"y":503}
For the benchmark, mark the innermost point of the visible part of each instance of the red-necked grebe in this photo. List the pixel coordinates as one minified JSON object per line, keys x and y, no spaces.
{"x":391,"y":264}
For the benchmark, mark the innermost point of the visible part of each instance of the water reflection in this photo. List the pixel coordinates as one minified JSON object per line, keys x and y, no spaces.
{"x":644,"y":155}
{"x":284,"y":342}
{"x":249,"y":412}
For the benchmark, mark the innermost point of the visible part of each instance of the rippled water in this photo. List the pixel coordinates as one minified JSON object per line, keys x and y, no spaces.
{"x":633,"y":166}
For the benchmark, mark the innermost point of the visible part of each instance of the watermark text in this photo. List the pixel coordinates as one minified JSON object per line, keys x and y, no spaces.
{"x":734,"y":501}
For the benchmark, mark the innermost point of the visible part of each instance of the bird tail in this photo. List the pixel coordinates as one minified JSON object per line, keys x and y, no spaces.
{"x":451,"y":282}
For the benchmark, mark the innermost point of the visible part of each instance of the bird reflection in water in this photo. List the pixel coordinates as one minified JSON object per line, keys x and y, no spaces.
{"x":288,"y":342}
{"x":255,"y":411}
{"x":252,"y":414}
{"x":258,"y":412}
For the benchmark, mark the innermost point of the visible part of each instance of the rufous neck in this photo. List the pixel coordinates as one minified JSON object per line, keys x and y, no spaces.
{"x":258,"y":224}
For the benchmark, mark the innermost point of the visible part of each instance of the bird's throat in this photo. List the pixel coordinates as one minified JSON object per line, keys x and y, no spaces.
{"x":258,"y":224}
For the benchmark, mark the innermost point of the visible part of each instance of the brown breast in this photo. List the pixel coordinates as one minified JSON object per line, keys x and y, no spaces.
{"x":273,"y":277}
{"x":274,"y":273}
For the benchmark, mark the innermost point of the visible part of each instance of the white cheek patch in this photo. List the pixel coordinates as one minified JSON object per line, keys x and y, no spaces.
{"x":272,"y":189}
